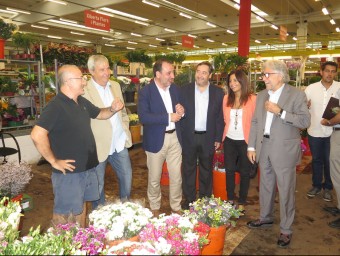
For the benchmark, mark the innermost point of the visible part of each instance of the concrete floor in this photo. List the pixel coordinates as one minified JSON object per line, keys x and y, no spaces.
{"x":311,"y":234}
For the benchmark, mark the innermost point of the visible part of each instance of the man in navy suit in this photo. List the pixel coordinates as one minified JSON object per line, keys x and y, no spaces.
{"x":160,"y":112}
{"x":202,"y":130}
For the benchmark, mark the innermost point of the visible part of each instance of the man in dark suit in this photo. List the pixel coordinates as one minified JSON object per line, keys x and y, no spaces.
{"x":160,"y":112}
{"x":202,"y":129}
{"x":274,"y":141}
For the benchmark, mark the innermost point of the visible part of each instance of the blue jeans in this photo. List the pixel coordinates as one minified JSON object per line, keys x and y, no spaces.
{"x":121,"y":164}
{"x":320,"y":149}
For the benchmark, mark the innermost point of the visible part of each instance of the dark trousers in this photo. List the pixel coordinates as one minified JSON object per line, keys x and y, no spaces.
{"x":199,"y":153}
{"x":320,"y":149}
{"x":235,"y":159}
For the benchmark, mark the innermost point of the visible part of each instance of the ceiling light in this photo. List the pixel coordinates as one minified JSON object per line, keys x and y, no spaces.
{"x":169,"y":48}
{"x":260,"y":18}
{"x":332,"y":22}
{"x":185,"y":15}
{"x":56,"y":37}
{"x":294,"y":38}
{"x":151,"y":45}
{"x":15,"y":10}
{"x":211,"y":25}
{"x":160,"y":39}
{"x":150,"y":3}
{"x":57,"y":2}
{"x":77,"y":33}
{"x":230,"y":32}
{"x":237,"y":6}
{"x":105,"y":9}
{"x":193,"y":36}
{"x":83,"y":41}
{"x":337,"y":29}
{"x":111,"y":45}
{"x":142,"y":23}
{"x":274,"y":27}
{"x":135,"y":34}
{"x":183,"y":8}
{"x":195,"y":46}
{"x":210,"y":40}
{"x":130,"y":48}
{"x":170,"y":30}
{"x":41,"y":27}
{"x":107,"y":38}
{"x":325,"y":11}
{"x":105,"y":13}
{"x":69,"y":21}
{"x":131,"y":42}
{"x":4,"y":11}
{"x":75,"y":25}
{"x":257,"y":41}
{"x":224,"y":44}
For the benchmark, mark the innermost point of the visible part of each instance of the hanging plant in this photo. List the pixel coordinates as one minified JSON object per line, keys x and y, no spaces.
{"x":7,"y":29}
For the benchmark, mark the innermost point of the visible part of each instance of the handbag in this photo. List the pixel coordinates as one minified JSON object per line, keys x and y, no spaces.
{"x":253,"y":170}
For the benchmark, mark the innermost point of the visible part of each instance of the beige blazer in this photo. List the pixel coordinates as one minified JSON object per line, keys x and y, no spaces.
{"x":102,"y":129}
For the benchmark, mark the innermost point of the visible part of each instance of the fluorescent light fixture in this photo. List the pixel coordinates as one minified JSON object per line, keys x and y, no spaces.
{"x":77,"y":33}
{"x":257,"y":41}
{"x":41,"y":27}
{"x":105,"y":9}
{"x":150,"y":3}
{"x":105,"y":13}
{"x":230,"y":32}
{"x":274,"y":27}
{"x":57,"y":2}
{"x":75,"y":25}
{"x":259,"y":18}
{"x":83,"y":41}
{"x":151,"y":45}
{"x":195,"y":46}
{"x":170,"y":30}
{"x":69,"y":21}
{"x":211,"y":25}
{"x":135,"y":34}
{"x":16,"y":10}
{"x":210,"y":40}
{"x":160,"y":39}
{"x":185,"y":15}
{"x":111,"y":45}
{"x":332,"y":22}
{"x":107,"y":38}
{"x":55,"y":37}
{"x":193,"y":36}
{"x":142,"y":23}
{"x":224,"y":44}
{"x":131,"y":42}
{"x":237,"y":6}
{"x":169,"y":48}
{"x":337,"y":29}
{"x":294,"y":38}
{"x":5,"y":11}
{"x":130,"y":48}
{"x":325,"y":11}
{"x":185,"y":9}
{"x":178,"y":43}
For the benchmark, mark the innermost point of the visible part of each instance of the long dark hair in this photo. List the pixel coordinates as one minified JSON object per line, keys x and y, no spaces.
{"x":245,"y":88}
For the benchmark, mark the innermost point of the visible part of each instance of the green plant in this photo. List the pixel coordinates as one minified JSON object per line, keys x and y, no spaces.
{"x":7,"y":85}
{"x":139,"y":56}
{"x":186,"y":76}
{"x":6,"y":29}
{"x":173,"y":57}
{"x":23,"y":40}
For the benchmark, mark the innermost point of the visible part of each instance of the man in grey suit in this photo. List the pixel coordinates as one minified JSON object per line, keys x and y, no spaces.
{"x":274,"y":141}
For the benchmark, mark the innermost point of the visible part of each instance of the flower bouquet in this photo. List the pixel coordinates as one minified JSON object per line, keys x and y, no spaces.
{"x":134,"y":119}
{"x":175,"y":235}
{"x":10,"y":213}
{"x":123,"y":220}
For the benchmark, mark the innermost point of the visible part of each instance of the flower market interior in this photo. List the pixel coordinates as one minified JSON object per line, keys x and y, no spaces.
{"x":37,"y":37}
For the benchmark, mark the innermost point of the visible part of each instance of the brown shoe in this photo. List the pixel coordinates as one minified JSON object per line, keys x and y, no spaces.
{"x":179,"y":212}
{"x":156,"y":213}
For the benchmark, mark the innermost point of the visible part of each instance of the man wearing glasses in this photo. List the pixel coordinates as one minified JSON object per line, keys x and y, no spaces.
{"x":274,"y":141}
{"x":63,"y":136}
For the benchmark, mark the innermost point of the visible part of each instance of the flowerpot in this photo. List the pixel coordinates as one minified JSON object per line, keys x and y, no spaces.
{"x":15,"y":123}
{"x":307,"y":152}
{"x":8,"y":93}
{"x":32,"y":56}
{"x":135,"y":131}
{"x":24,"y":56}
{"x":118,"y":241}
{"x":165,"y":175}
{"x":130,"y":96}
{"x":16,"y":56}
{"x":220,"y":183}
{"x":216,"y":237}
{"x":2,"y":48}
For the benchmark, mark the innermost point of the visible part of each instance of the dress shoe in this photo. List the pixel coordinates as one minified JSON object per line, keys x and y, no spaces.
{"x":185,"y":205}
{"x":179,"y":212}
{"x":334,"y":223}
{"x":332,"y":210}
{"x":156,"y":213}
{"x":284,"y":240}
{"x":259,"y":224}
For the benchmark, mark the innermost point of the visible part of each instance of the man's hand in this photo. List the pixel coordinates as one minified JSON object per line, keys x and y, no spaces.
{"x":272,"y":107}
{"x":63,"y":165}
{"x":117,"y":105}
{"x":175,"y":117}
{"x":251,"y":156}
{"x":325,"y":122}
{"x":179,"y":109}
{"x":217,"y":145}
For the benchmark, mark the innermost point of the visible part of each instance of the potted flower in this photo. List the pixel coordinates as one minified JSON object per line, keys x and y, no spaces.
{"x":175,"y":235}
{"x":25,"y":41}
{"x":135,"y":128}
{"x":6,"y":31}
{"x":10,"y":213}
{"x":14,"y":116}
{"x":122,"y":220}
{"x":7,"y":86}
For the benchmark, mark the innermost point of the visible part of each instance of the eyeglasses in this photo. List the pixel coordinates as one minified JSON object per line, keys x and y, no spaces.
{"x":267,"y":74}
{"x":84,"y":78}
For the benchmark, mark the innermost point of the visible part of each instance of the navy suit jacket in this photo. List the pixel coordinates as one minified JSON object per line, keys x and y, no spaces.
{"x":215,"y":123}
{"x":154,"y":117}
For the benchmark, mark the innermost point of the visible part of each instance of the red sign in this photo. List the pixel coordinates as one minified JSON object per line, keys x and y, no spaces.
{"x":96,"y":20}
{"x":188,"y":41}
{"x":283,"y":33}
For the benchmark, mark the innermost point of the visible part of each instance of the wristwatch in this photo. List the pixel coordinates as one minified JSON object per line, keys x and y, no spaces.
{"x":280,"y":113}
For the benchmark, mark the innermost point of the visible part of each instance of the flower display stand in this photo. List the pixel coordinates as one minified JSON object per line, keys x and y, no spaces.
{"x":220,"y":183}
{"x":216,"y":237}
{"x":135,"y":131}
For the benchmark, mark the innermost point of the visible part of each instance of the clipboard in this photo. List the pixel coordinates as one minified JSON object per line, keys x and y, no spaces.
{"x":332,"y":103}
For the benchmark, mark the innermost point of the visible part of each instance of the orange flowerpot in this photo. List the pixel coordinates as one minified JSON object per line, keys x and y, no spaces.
{"x":135,"y":131}
{"x":165,"y":175}
{"x":219,"y":184}
{"x":216,"y":237}
{"x":118,"y":241}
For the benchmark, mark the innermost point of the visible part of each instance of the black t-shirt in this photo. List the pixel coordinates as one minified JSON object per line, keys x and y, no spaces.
{"x":70,"y":134}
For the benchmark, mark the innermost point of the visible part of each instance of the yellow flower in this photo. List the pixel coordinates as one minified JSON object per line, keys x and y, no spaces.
{"x":134,"y":119}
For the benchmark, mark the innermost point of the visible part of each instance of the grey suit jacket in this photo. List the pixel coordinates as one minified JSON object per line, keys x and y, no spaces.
{"x":284,"y":134}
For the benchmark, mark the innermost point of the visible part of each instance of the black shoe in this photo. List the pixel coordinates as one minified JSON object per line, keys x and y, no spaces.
{"x":185,"y":205}
{"x":332,"y":210}
{"x":284,"y":240}
{"x":259,"y":224}
{"x":334,"y":223}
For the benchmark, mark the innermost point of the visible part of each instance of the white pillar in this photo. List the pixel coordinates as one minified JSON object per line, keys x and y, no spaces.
{"x":301,"y":35}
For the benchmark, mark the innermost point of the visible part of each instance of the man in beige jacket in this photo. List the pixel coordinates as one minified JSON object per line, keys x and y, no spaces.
{"x":112,"y":136}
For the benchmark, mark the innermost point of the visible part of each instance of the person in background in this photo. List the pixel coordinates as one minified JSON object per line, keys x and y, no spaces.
{"x":160,"y":113}
{"x":238,"y":110}
{"x":274,"y":141}
{"x":318,"y":95}
{"x":112,"y":136}
{"x":201,"y":129}
{"x":64,"y":138}
{"x":334,"y":163}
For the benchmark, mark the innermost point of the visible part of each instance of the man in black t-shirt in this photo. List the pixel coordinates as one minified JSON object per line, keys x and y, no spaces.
{"x":64,"y":138}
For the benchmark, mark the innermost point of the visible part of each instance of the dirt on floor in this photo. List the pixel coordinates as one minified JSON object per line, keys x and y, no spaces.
{"x":312,"y":235}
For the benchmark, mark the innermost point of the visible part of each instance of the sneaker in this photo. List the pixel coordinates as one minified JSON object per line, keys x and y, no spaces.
{"x":313,"y":192}
{"x":327,"y":196}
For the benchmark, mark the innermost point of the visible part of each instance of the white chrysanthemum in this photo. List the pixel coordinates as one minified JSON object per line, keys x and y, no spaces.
{"x":190,"y":236}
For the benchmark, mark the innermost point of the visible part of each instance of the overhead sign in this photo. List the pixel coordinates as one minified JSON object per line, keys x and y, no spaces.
{"x":283,"y":33}
{"x":96,"y":20}
{"x":188,"y":41}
